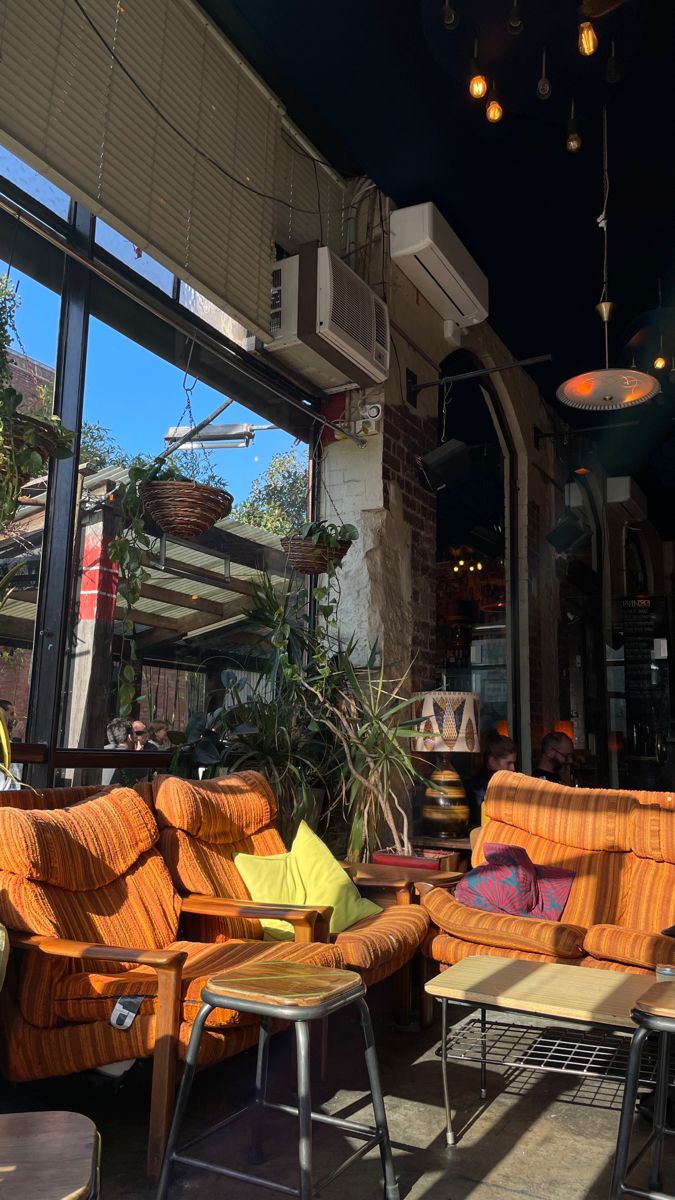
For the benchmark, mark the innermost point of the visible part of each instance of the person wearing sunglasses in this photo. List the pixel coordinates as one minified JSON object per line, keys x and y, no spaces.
{"x":556,"y":758}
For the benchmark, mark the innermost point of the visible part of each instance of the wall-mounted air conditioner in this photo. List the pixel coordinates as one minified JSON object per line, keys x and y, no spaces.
{"x":425,"y":248}
{"x":327,"y":324}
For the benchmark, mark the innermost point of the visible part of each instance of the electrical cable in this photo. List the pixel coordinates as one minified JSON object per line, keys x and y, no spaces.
{"x":247,"y":187}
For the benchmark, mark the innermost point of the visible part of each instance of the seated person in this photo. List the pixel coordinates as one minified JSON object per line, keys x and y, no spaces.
{"x":557,"y":756}
{"x":499,"y":754}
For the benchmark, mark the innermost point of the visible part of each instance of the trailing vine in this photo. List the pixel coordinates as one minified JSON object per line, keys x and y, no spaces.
{"x":127,"y":551}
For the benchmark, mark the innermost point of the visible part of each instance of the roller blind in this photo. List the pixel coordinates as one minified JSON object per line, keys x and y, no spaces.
{"x":315,"y":195}
{"x":157,"y":166}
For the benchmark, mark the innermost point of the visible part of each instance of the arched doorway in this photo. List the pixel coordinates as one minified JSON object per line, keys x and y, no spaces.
{"x":477,"y":551}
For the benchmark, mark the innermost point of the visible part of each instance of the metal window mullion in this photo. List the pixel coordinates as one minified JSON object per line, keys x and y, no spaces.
{"x":57,"y":546}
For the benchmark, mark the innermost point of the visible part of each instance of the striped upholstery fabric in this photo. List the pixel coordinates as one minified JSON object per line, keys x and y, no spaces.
{"x":585,"y":818}
{"x":202,"y":826}
{"x":93,"y":873}
{"x":446,"y":950}
{"x":91,"y":997}
{"x":604,"y":964}
{"x":63,"y":797}
{"x":392,"y":936}
{"x":632,"y":947}
{"x":502,"y":930}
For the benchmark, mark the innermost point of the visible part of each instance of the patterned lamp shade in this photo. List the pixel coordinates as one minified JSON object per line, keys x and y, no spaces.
{"x":449,"y":721}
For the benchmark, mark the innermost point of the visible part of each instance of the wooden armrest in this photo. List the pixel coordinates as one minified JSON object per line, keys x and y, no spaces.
{"x":310,"y":923}
{"x":65,"y":948}
{"x":424,"y":887}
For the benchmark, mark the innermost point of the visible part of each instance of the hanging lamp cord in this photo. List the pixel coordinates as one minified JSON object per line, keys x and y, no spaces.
{"x":602,"y":222}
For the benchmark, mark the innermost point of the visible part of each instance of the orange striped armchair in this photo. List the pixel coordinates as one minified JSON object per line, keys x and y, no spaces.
{"x":203,"y":824}
{"x":621,"y":848}
{"x":94,"y":917}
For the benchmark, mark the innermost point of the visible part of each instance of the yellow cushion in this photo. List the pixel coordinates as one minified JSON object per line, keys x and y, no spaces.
{"x":308,"y":874}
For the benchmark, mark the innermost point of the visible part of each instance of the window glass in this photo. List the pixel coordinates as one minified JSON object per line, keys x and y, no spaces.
{"x":132,"y":256}
{"x":32,"y":362}
{"x":30,"y":181}
{"x":191,"y":610}
{"x":209,"y":312}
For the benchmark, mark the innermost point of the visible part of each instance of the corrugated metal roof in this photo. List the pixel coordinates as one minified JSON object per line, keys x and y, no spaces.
{"x":198,"y":558}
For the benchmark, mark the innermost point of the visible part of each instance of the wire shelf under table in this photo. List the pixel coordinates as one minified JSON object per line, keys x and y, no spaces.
{"x":591,"y":1053}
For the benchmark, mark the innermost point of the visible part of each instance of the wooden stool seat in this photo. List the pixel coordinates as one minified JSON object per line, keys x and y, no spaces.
{"x":283,"y":984}
{"x":48,"y":1156}
{"x":658,"y":1001}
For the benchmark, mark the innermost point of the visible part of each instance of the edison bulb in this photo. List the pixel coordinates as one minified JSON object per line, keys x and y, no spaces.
{"x":479,"y":566}
{"x":455,"y":569}
{"x":471,"y":568}
{"x":659,"y":363}
{"x":573,"y":142}
{"x":588,"y":39}
{"x":477,"y":86}
{"x":494,"y":112}
{"x":461,"y":562}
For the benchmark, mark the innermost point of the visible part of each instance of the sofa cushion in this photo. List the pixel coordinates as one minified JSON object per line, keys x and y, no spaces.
{"x":653,"y":833}
{"x":445,"y":949}
{"x":90,"y":996}
{"x":596,"y":893}
{"x":395,"y":934}
{"x":308,"y":874}
{"x":222,"y":811}
{"x":509,"y":882}
{"x":634,"y":947}
{"x":649,"y":896}
{"x":584,"y":818}
{"x":495,"y":929}
{"x":79,"y":848}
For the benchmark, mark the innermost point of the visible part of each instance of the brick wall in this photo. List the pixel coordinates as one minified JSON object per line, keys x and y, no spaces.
{"x":407,"y":436}
{"x":15,"y":665}
{"x":30,"y":377}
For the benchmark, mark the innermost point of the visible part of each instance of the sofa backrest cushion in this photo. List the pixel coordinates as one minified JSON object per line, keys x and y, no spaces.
{"x":203,"y":826}
{"x":59,"y":797}
{"x":92,"y":872}
{"x":584,"y":818}
{"x":649,"y":896}
{"x":223,"y":810}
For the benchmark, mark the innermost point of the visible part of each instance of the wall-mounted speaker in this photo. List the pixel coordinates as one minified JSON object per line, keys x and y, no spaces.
{"x":446,"y":464}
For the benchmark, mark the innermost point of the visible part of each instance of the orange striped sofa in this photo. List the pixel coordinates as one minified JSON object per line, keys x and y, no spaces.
{"x":621,"y":847}
{"x":204,"y":824}
{"x":94,"y":917}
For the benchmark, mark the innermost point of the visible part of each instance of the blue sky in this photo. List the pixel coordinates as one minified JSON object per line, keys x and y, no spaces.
{"x":137,"y":395}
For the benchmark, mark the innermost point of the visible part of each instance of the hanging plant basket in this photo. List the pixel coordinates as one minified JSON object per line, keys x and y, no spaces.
{"x":313,"y":559}
{"x":48,"y":439}
{"x":183,"y":508}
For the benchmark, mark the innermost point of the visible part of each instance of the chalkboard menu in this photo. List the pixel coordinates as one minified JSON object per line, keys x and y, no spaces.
{"x":643,"y":622}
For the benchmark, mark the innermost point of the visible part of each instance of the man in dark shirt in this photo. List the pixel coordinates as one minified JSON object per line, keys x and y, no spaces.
{"x":557,"y":753}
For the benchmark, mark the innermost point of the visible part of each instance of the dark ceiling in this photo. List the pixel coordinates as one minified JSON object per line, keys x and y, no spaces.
{"x":380,"y":88}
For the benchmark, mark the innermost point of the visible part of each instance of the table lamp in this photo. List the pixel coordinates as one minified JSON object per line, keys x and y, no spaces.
{"x":449,"y":723}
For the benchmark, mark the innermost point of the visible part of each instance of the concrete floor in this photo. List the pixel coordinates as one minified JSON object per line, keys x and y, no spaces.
{"x":531,"y":1138}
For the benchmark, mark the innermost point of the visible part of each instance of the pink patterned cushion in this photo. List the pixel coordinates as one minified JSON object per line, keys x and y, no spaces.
{"x":509,"y":882}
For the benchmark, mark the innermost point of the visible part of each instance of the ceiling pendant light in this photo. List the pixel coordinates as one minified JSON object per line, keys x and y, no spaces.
{"x":449,"y":16}
{"x":544,"y":84}
{"x":478,"y":85}
{"x":671,"y":375}
{"x":514,"y":24}
{"x":607,"y":389}
{"x":588,"y":39}
{"x":573,"y":140}
{"x":493,"y":109}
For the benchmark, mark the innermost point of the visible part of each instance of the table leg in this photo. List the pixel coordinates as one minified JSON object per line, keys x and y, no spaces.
{"x":305,"y":1184}
{"x":616,"y":1187}
{"x":660,"y":1109}
{"x":483,"y":1055}
{"x":256,"y":1153}
{"x":449,"y":1134}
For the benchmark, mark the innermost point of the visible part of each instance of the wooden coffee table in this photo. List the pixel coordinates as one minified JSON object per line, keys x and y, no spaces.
{"x":397,"y":884}
{"x":570,"y":993}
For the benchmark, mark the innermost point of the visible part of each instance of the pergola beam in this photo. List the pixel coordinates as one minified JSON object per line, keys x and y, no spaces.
{"x":235,"y":608}
{"x":175,"y":566}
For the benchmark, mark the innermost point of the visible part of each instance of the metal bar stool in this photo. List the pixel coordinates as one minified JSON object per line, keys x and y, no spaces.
{"x":654,"y":1013}
{"x":300,"y":994}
